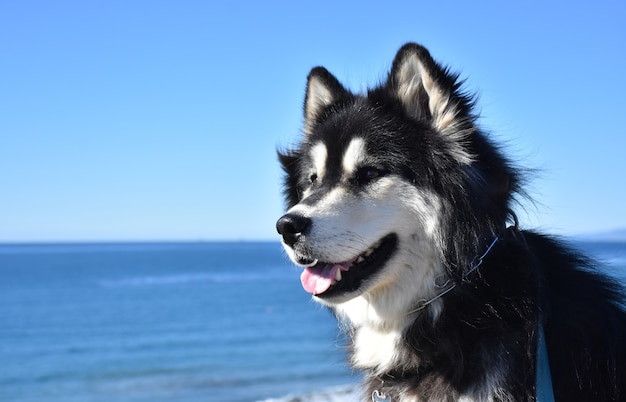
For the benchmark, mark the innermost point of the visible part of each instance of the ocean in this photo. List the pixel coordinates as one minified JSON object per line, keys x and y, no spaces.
{"x":184,"y":322}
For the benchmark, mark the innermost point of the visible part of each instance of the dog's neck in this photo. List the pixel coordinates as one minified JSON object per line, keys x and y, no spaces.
{"x":381,"y":358}
{"x":377,"y":342}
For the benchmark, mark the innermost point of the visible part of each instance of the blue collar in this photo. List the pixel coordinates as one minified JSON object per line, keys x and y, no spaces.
{"x":543,"y":378}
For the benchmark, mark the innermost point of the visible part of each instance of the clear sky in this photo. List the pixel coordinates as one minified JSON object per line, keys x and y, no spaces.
{"x":159,"y":120}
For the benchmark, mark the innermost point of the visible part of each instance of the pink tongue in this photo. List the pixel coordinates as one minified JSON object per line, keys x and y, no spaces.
{"x":318,"y":279}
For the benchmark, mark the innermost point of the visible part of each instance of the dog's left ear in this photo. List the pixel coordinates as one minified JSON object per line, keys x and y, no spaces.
{"x":423,"y":87}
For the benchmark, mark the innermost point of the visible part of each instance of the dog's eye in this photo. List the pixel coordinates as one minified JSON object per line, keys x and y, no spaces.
{"x":367,"y":174}
{"x":313,"y":178}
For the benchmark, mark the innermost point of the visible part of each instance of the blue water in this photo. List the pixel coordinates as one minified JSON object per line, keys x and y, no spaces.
{"x":160,"y":322}
{"x":177,"y":322}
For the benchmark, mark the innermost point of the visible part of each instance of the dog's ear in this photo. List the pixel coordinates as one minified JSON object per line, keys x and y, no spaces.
{"x":423,"y":87}
{"x":322,"y":90}
{"x":430,"y":93}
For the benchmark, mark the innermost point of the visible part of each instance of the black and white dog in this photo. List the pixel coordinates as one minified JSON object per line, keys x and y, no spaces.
{"x":399,"y":212}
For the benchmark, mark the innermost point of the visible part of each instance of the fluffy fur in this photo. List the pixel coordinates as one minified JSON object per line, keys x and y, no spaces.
{"x":391,"y":196}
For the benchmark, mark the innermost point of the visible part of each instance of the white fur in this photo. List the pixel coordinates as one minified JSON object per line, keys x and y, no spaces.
{"x":380,"y":313}
{"x":374,"y":348}
{"x":345,"y":225}
{"x":319,"y":154}
{"x":354,"y":156}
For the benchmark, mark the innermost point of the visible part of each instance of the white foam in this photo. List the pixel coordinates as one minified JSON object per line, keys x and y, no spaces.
{"x":198,"y":277}
{"x":346,"y":393}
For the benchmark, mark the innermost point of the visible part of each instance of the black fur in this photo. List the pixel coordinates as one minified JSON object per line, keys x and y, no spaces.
{"x":488,"y":326}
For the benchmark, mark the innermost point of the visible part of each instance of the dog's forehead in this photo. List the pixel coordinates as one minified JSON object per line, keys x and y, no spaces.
{"x":355,"y":155}
{"x":319,"y":157}
{"x":343,"y":160}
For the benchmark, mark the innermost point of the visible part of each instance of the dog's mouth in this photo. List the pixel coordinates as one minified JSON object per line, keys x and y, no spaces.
{"x":328,"y":279}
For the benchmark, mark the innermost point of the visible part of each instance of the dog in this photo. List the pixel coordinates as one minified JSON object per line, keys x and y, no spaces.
{"x":399,"y":209}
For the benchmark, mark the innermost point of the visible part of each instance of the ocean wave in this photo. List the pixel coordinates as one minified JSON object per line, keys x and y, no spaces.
{"x":155,"y":280}
{"x":346,"y":393}
{"x":618,"y":262}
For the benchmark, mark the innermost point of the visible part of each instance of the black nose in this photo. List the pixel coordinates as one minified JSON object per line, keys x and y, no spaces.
{"x":291,"y":226}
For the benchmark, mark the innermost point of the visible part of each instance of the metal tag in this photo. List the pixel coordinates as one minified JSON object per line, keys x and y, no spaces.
{"x":378,"y":397}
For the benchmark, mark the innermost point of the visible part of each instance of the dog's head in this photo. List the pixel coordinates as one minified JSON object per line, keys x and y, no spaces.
{"x":381,"y":181}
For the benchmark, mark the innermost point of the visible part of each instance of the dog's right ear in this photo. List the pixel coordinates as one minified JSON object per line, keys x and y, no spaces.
{"x":322,"y":90}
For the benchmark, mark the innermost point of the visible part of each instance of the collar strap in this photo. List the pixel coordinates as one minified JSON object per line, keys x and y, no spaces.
{"x":448,"y":286}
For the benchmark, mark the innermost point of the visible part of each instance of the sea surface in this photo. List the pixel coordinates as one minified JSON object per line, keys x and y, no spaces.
{"x":210,"y":322}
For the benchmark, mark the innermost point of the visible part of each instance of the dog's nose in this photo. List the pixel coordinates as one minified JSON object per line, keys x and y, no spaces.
{"x":291,"y":226}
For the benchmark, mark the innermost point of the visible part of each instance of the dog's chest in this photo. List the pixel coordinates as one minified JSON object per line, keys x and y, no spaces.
{"x":376,"y":350}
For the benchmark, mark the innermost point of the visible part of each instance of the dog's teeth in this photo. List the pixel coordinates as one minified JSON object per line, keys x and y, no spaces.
{"x":371,"y":249}
{"x":367,"y":253}
{"x":338,"y":275}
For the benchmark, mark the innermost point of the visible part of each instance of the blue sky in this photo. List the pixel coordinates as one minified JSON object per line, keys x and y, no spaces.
{"x":159,"y":120}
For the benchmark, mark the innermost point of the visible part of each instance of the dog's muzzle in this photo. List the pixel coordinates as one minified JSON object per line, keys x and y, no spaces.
{"x":291,"y":227}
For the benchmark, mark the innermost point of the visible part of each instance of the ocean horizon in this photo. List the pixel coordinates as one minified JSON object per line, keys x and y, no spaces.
{"x":177,"y":321}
